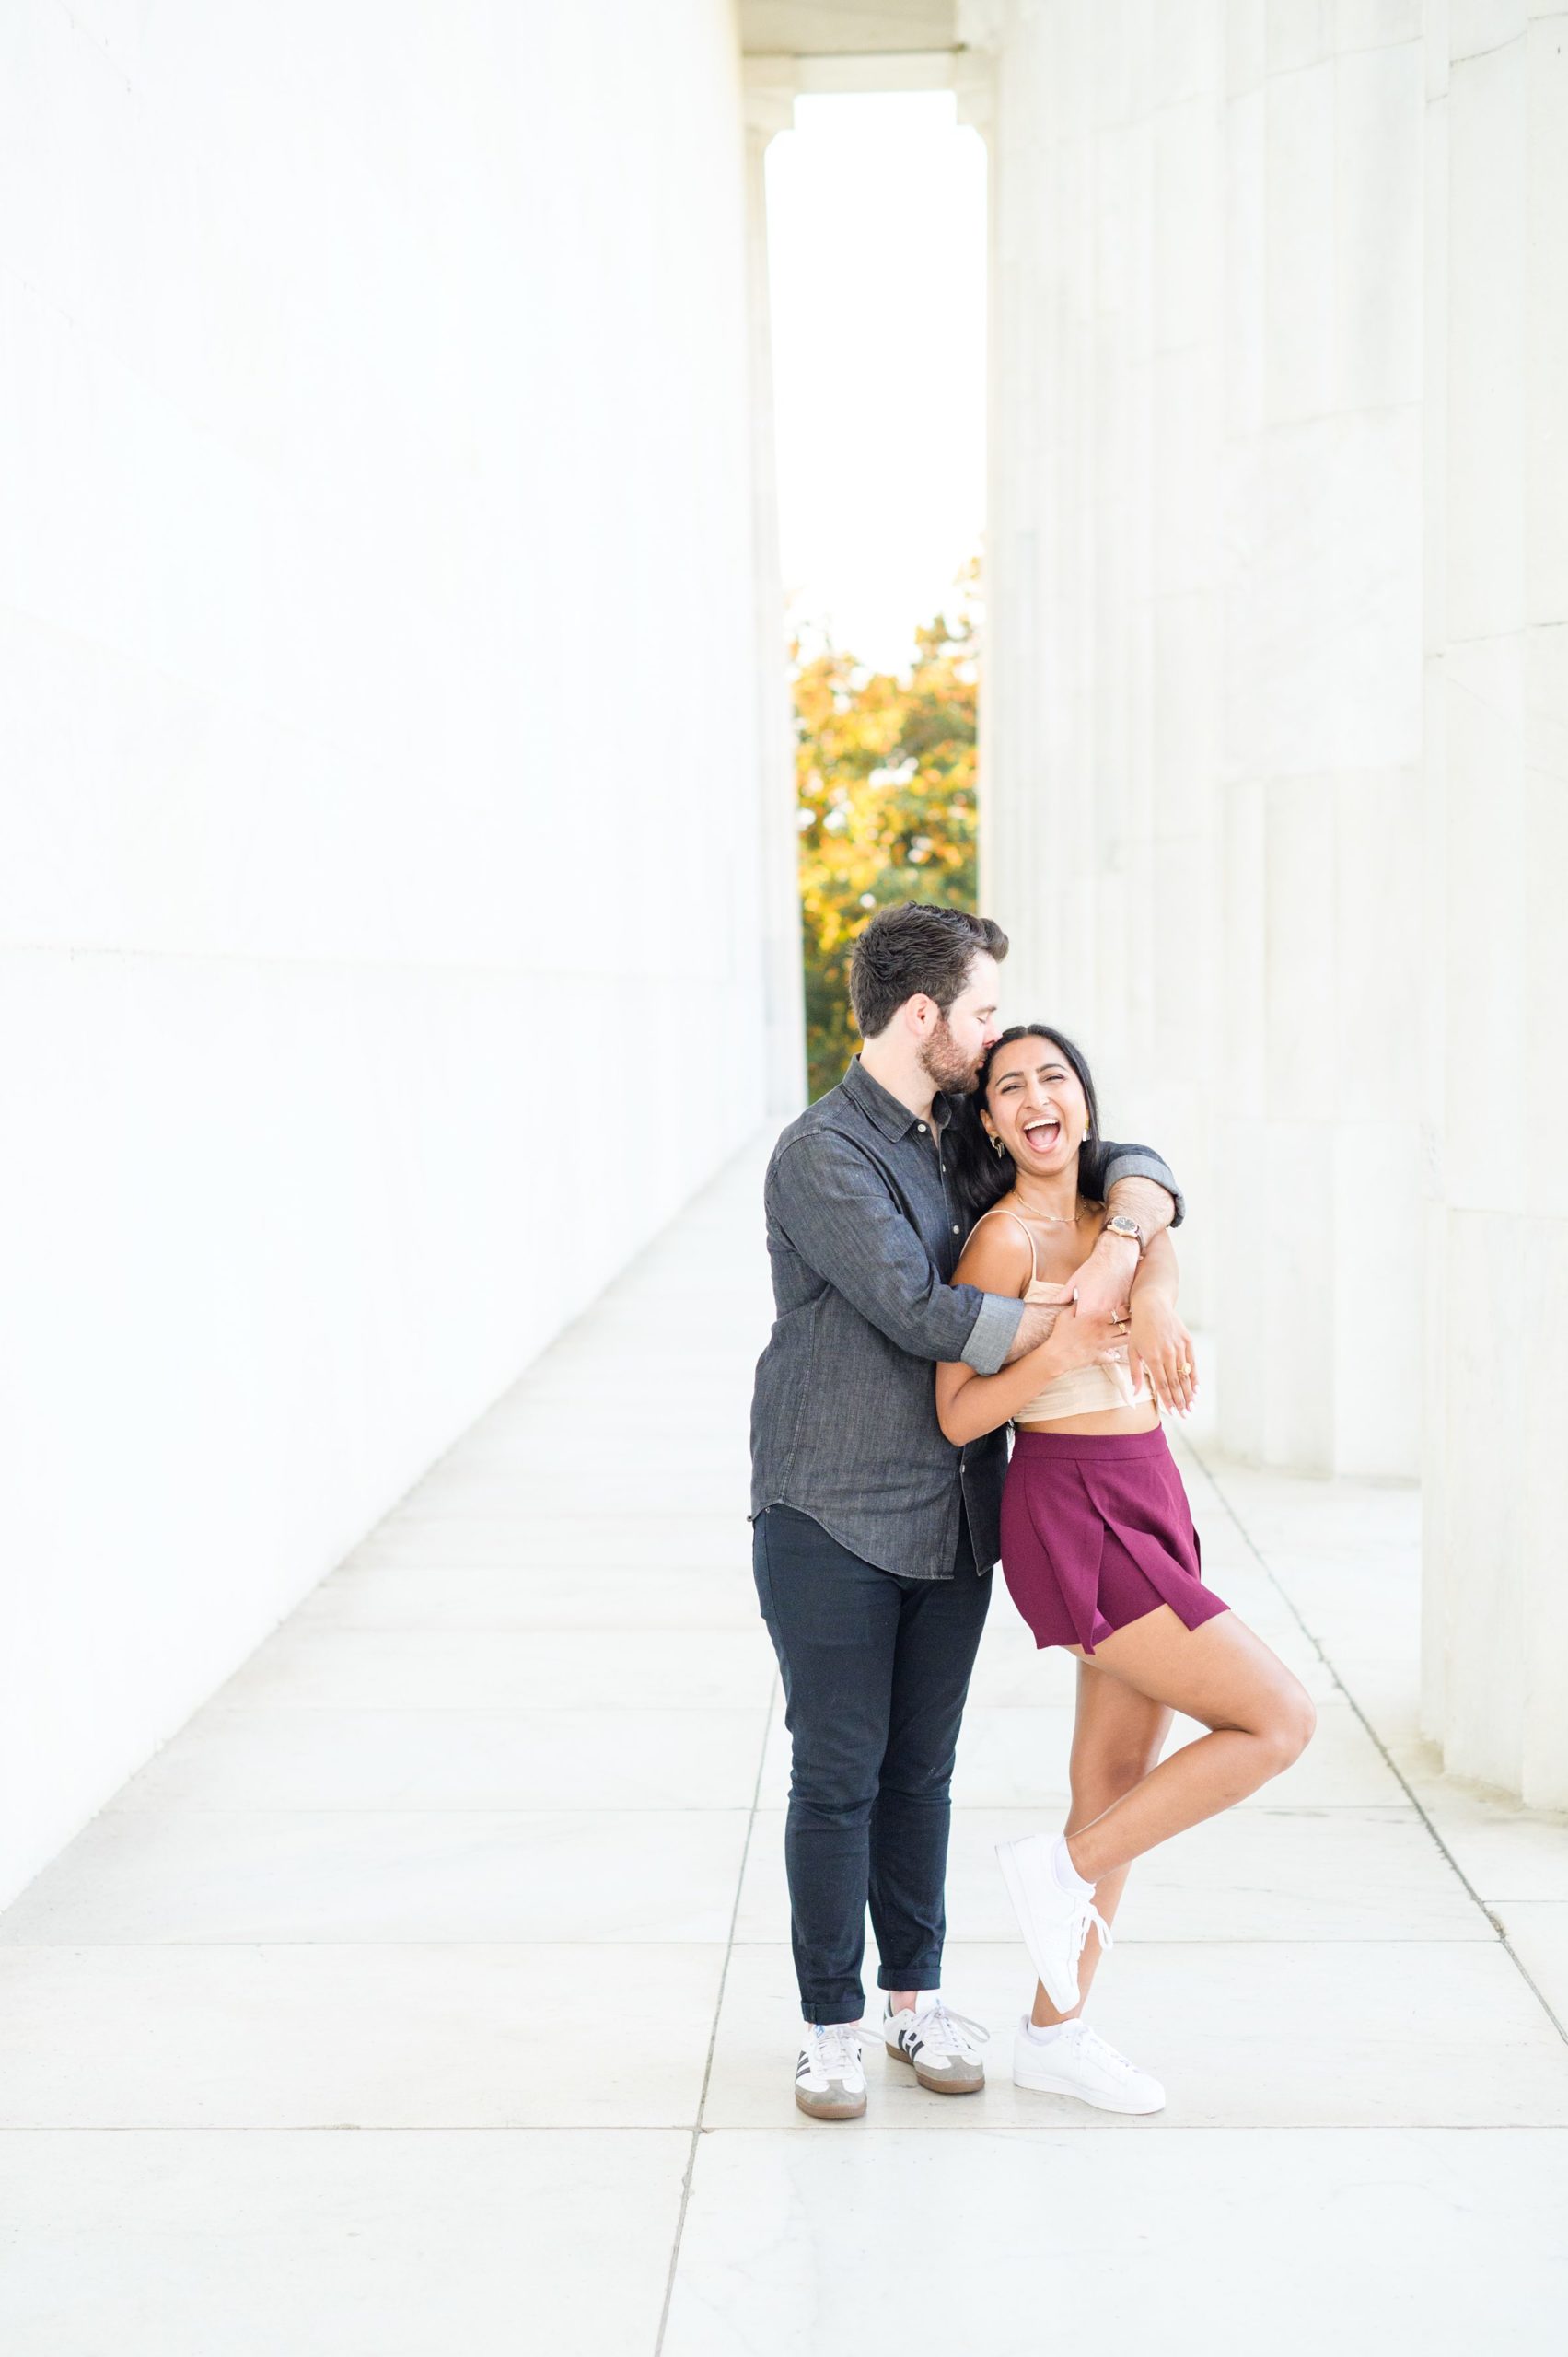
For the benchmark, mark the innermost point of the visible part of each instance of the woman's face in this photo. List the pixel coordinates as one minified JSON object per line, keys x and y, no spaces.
{"x":1035,"y":1104}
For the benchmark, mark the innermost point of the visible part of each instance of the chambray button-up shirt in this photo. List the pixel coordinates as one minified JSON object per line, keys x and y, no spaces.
{"x":864,"y":1234}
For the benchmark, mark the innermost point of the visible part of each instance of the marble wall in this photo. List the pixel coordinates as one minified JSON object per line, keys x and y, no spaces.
{"x":1496,"y":862}
{"x":1280,"y":339}
{"x":387,"y":888}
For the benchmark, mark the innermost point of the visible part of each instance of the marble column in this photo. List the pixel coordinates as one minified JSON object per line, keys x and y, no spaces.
{"x":1496,"y":955}
{"x":1202,"y":724}
{"x":1319,"y":1110}
{"x":770,"y":108}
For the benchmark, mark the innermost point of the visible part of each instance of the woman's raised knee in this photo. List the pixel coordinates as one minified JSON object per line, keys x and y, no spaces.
{"x":1289,"y":1728}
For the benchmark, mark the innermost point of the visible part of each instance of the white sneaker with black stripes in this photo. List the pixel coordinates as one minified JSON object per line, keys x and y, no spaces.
{"x":942,"y":2048}
{"x":829,"y":2082}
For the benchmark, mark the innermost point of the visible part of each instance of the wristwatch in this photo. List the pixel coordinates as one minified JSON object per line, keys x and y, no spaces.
{"x":1119,"y":1225}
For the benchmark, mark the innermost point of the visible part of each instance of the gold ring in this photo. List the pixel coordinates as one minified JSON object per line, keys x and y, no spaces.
{"x":1184,"y":1368}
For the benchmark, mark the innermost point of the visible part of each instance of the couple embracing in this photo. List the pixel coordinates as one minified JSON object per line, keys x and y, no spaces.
{"x":957,"y":1250}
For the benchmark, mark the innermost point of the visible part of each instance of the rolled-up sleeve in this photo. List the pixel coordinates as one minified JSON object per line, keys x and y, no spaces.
{"x":1116,"y":1162}
{"x":992,"y":1335}
{"x":835,"y":1208}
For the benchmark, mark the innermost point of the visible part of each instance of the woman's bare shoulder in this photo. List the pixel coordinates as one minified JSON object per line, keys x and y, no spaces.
{"x":998,"y":1256}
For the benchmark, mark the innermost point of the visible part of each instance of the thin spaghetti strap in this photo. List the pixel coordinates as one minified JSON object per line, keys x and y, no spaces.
{"x":1001,"y":1211}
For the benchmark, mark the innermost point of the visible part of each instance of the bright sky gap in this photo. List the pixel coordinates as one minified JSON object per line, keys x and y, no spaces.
{"x":877,"y":240}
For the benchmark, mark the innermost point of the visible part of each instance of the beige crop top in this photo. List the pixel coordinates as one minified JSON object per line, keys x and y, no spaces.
{"x":1082,"y":1390}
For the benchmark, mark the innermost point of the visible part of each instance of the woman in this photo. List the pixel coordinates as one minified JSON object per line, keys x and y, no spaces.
{"x":1100,"y":1556}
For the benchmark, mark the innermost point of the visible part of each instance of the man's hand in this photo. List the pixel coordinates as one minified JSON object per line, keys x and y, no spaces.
{"x":1036,"y":1326}
{"x":1102,"y":1283}
{"x":1161,"y":1344}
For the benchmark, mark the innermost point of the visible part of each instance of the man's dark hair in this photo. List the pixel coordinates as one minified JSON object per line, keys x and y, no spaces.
{"x":911,"y":949}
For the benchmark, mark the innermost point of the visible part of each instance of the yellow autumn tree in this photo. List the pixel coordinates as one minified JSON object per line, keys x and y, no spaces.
{"x":885,"y":769}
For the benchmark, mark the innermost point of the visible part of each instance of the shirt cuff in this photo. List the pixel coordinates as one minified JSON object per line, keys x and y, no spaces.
{"x":992,"y":1335}
{"x":1149,"y":1165}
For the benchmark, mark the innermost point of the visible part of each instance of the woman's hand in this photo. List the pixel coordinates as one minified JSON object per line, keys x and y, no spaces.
{"x":1084,"y":1337}
{"x":1160,"y":1341}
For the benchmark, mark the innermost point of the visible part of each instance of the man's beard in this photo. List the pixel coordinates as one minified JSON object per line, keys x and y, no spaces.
{"x":954,"y":1074}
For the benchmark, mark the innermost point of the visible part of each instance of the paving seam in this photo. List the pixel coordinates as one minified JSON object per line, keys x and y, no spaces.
{"x":1389,"y":1763}
{"x":714,"y":2034}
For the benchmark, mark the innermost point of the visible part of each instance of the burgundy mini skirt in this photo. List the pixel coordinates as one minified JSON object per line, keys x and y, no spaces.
{"x":1095,"y":1532}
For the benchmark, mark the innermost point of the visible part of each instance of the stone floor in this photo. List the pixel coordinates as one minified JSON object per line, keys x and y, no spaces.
{"x":430,"y":1992}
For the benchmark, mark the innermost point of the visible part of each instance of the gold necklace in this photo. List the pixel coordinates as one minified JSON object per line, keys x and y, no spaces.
{"x":1050,"y":1219}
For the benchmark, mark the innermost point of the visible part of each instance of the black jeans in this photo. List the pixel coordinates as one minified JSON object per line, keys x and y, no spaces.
{"x":876,"y":1669}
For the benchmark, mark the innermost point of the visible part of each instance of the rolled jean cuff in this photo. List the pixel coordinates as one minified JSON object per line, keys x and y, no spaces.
{"x":926,"y":1974}
{"x":833,"y":2010}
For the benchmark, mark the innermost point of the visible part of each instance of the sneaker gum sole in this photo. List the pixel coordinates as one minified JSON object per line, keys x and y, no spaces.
{"x":1064,"y":1994}
{"x":936,"y":2086}
{"x":828,"y":2107}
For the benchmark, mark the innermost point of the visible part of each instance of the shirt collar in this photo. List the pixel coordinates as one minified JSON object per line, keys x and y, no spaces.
{"x":891,"y":1117}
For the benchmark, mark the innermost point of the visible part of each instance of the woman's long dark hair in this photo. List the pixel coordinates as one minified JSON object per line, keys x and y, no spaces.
{"x":982,"y":1176}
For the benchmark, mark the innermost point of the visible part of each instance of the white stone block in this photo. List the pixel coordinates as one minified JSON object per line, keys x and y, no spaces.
{"x":1378,"y":128}
{"x":1323,"y":667}
{"x":1245,"y":230}
{"x":1184,"y":714}
{"x":1245,"y":45}
{"x":1545,"y":982}
{"x":1241,"y":1146}
{"x":1299,"y":201}
{"x":1302,"y":950}
{"x":1186,"y":232}
{"x":1378,"y":1264}
{"x":1184,"y":515}
{"x":1300,"y":33}
{"x":1436,"y":43}
{"x":1381,"y":994}
{"x":1488,"y":295}
{"x":1486,"y":984}
{"x":1186,"y":45}
{"x":1545,"y":234}
{"x":1294,"y":1305}
{"x":353,"y":442}
{"x":1542,"y":1780}
{"x":1244,"y":950}
{"x":1476,"y":26}
{"x":1375,"y":24}
{"x":1486,"y":1534}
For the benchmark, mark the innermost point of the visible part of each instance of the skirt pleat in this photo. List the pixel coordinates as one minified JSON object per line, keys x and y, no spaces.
{"x":1095,"y":1532}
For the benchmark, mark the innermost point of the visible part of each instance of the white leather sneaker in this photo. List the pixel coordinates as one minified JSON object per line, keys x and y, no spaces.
{"x":1054,"y":1920}
{"x":942,"y":2048}
{"x":829,"y":2082}
{"x":1078,"y":2061}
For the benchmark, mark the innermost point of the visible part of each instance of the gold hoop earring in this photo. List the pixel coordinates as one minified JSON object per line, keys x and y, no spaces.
{"x":996,"y":1145}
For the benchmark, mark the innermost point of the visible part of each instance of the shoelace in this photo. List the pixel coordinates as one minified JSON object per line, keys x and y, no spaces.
{"x":1090,"y":1918}
{"x":951,"y":2033}
{"x":838,"y":2049}
{"x":1090,"y":2041}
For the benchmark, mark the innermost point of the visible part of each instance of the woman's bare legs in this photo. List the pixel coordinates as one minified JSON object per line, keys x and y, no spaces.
{"x":1259,"y":1719}
{"x":1118,"y":1736}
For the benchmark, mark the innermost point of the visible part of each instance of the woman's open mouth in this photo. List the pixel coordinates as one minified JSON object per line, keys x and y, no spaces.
{"x":1041,"y":1136}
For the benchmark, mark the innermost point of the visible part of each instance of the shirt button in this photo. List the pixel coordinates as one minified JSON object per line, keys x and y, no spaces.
{"x":921,"y":1127}
{"x":955,"y":1227}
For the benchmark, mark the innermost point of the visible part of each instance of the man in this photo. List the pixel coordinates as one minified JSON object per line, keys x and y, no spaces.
{"x":873,"y":1536}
